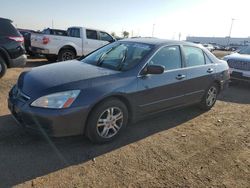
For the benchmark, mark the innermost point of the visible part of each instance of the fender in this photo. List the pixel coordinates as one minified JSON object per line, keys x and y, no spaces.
{"x":78,"y":52}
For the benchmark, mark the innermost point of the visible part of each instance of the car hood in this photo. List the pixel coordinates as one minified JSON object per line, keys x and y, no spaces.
{"x":63,"y":74}
{"x":238,"y":57}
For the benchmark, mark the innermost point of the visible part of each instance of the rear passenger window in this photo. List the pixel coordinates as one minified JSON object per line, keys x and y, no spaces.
{"x":91,"y":34}
{"x":169,"y":57}
{"x":194,"y":56}
{"x":74,"y":32}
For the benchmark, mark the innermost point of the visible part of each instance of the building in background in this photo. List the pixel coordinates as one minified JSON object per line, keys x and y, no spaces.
{"x":224,"y":41}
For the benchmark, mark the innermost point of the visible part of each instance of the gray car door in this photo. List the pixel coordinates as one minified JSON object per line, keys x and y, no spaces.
{"x":200,"y":72}
{"x":158,"y":92}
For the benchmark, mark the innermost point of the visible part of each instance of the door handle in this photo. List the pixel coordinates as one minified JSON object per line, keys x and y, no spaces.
{"x":180,"y":76}
{"x":210,"y":70}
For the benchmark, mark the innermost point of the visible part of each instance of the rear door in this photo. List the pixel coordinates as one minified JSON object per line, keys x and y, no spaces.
{"x":158,"y":92}
{"x":200,"y":72}
{"x":91,"y":41}
{"x":74,"y":36}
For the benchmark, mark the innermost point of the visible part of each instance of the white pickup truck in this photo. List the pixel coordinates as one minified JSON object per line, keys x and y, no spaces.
{"x":79,"y":41}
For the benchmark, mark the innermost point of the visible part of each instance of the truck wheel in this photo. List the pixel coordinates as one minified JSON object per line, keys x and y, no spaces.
{"x":66,"y":54}
{"x":107,"y":121}
{"x":3,"y":67}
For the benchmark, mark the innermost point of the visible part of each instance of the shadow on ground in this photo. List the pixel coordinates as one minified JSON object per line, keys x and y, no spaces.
{"x":24,"y":157}
{"x":238,"y":92}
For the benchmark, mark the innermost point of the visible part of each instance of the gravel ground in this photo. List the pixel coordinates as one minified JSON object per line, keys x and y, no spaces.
{"x":180,"y":148}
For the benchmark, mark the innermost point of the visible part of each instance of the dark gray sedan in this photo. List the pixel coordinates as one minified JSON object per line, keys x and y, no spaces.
{"x":122,"y":82}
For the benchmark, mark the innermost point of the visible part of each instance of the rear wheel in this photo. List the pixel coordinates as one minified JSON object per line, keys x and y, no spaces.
{"x":66,"y":54}
{"x":210,"y":97}
{"x":3,"y":67}
{"x":107,"y":121}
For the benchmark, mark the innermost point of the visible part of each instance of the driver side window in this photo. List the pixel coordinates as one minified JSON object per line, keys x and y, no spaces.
{"x":169,"y":57}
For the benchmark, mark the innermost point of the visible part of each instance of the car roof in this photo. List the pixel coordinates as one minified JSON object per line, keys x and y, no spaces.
{"x":158,"y":42}
{"x":5,"y":19}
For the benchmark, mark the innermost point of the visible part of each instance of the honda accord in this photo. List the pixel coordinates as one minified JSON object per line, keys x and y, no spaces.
{"x":98,"y":95}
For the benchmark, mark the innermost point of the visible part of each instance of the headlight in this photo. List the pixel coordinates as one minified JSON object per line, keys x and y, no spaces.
{"x":57,"y":100}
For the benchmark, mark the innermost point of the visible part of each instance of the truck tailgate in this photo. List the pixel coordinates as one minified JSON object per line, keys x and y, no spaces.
{"x":37,"y":40}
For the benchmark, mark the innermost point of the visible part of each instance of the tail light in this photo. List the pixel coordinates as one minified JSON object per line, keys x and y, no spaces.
{"x":17,"y":39}
{"x":45,"y":40}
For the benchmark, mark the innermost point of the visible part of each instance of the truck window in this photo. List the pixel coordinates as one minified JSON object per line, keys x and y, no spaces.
{"x":91,"y":34}
{"x":74,"y":32}
{"x":46,"y":31}
{"x":106,"y":37}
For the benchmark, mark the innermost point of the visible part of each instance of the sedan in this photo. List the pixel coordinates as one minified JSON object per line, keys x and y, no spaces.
{"x":98,"y":95}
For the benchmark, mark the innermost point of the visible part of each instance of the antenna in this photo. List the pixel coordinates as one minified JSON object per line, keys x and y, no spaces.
{"x":153,"y":30}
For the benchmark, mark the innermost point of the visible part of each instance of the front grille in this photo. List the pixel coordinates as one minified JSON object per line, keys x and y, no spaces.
{"x":19,"y":95}
{"x":241,"y":65}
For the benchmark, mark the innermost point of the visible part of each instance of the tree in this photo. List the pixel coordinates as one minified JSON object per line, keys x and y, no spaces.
{"x":113,"y":34}
{"x":125,"y":34}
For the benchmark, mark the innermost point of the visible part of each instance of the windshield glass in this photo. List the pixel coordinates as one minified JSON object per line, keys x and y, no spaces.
{"x":245,"y":50}
{"x":120,"y":56}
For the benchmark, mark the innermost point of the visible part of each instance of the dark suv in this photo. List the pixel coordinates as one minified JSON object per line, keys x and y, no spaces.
{"x":12,"y":52}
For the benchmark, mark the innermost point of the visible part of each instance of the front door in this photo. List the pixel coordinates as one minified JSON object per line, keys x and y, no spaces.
{"x":158,"y":92}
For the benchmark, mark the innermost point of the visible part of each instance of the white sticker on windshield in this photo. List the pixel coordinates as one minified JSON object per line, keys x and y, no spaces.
{"x":142,"y":46}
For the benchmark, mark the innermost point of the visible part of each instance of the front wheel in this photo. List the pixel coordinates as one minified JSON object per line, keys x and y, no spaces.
{"x":107,"y":121}
{"x":210,"y":97}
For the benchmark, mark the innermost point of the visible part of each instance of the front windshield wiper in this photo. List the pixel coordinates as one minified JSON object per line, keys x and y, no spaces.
{"x":100,"y":60}
{"x":121,"y":64}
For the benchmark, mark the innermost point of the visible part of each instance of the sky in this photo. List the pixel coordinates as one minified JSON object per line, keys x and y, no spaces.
{"x":168,"y":19}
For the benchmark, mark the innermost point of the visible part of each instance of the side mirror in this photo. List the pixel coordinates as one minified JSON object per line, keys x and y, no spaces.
{"x":153,"y":69}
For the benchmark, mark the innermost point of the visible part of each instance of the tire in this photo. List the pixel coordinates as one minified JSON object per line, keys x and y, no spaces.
{"x":3,"y":67}
{"x":51,"y":58}
{"x":66,"y":54}
{"x":210,"y":97}
{"x":98,"y":134}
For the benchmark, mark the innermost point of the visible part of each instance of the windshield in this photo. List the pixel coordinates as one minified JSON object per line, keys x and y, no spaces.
{"x":245,"y":50}
{"x":120,"y":56}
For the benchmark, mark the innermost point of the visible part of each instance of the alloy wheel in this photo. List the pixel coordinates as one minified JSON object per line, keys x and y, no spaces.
{"x":211,"y":96}
{"x":110,"y":122}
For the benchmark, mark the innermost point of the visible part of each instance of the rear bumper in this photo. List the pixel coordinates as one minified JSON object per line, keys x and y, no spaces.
{"x":36,"y":50}
{"x":18,"y":62}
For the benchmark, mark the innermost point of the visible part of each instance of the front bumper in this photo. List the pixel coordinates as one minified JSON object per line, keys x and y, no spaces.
{"x":19,"y":62}
{"x":55,"y":123}
{"x":236,"y":74}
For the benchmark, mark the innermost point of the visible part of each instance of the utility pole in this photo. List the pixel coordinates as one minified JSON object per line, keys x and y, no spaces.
{"x":230,"y":31}
{"x":52,"y":24}
{"x":153,"y":30}
{"x":179,"y":36}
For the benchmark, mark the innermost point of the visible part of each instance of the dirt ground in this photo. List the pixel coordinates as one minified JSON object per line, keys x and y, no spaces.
{"x":180,"y":148}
